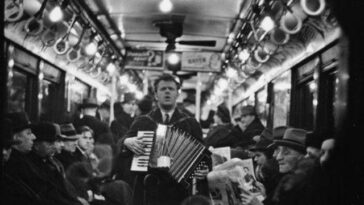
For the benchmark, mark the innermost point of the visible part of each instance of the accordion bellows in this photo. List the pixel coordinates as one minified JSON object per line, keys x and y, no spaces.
{"x":185,"y":152}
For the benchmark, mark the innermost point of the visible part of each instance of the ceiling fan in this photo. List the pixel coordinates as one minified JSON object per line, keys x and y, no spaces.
{"x":172,"y":30}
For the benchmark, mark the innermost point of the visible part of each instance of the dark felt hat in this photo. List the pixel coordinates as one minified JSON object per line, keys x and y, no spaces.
{"x":146,"y":104}
{"x":105,"y":105}
{"x":89,"y":103}
{"x":47,"y":131}
{"x":267,"y":134}
{"x":19,"y":120}
{"x":248,"y":110}
{"x":128,"y":97}
{"x":313,"y":140}
{"x":278,"y":132}
{"x":7,"y":132}
{"x":223,"y":113}
{"x":68,"y":132}
{"x":293,"y":138}
{"x":262,"y":145}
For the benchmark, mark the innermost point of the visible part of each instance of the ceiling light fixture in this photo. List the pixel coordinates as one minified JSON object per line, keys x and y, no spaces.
{"x":173,"y":58}
{"x":91,"y":48}
{"x":165,"y":6}
{"x":111,"y":68}
{"x":244,"y":55}
{"x":56,"y":14}
{"x":267,"y":24}
{"x":231,"y":73}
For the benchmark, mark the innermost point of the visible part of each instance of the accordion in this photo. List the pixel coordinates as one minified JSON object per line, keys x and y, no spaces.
{"x":173,"y":150}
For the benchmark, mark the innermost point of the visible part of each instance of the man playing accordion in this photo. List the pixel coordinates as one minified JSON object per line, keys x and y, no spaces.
{"x":158,"y":187}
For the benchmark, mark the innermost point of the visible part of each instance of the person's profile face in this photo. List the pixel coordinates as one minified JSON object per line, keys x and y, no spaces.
{"x":287,"y":158}
{"x":70,"y":145}
{"x":128,"y":107}
{"x":26,"y":139}
{"x":260,"y":158}
{"x":166,"y":94}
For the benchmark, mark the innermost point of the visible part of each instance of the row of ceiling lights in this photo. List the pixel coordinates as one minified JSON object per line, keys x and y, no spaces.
{"x":252,"y":55}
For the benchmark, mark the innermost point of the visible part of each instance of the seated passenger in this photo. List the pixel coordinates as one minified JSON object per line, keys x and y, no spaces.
{"x":16,"y":138}
{"x":58,"y":189}
{"x":221,"y":129}
{"x":69,"y":138}
{"x":290,"y":151}
{"x":248,"y":125}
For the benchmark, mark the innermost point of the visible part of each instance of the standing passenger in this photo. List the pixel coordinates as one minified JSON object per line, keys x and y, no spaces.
{"x":160,"y":188}
{"x":102,"y":132}
{"x":123,"y":112}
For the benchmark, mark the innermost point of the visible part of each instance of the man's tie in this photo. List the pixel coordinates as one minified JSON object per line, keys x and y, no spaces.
{"x":166,"y":118}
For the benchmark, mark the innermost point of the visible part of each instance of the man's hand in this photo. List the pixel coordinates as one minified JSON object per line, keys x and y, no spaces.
{"x":135,"y":144}
{"x":201,"y":173}
{"x":83,"y":201}
{"x":249,"y":198}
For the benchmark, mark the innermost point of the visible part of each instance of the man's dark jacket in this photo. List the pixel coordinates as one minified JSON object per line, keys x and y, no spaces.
{"x":168,"y":191}
{"x":34,"y":172}
{"x":239,"y":138}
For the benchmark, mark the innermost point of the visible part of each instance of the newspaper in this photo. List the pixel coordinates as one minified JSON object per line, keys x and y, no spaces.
{"x":227,"y":180}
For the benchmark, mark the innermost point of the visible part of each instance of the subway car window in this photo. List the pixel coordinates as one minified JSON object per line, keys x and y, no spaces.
{"x":262,"y":105}
{"x":17,"y":92}
{"x":166,"y":102}
{"x":281,"y":99}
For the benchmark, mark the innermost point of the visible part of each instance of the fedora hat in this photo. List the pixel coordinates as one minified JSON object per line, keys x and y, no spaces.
{"x":313,"y":139}
{"x":128,"y":97}
{"x":19,"y":120}
{"x":89,"y":103}
{"x":294,"y":138}
{"x":248,"y":110}
{"x":47,"y":131}
{"x":266,"y":134}
{"x":105,"y":105}
{"x":224,"y":113}
{"x":68,"y":132}
{"x":277,"y":134}
{"x":262,"y":145}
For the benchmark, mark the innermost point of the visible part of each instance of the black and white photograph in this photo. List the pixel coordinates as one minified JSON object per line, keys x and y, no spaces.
{"x":182,"y":102}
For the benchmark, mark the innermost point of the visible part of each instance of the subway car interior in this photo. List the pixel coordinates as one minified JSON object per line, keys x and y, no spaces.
{"x":297,"y":63}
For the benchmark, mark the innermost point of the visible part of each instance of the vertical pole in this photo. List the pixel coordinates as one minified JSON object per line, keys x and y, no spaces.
{"x":198,"y":97}
{"x":145,"y":83}
{"x":113,"y":97}
{"x":230,"y":99}
{"x":197,"y":116}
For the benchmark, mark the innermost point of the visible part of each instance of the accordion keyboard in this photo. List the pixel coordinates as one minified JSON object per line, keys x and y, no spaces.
{"x":140,"y":162}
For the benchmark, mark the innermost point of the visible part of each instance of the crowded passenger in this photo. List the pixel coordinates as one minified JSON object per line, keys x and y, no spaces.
{"x":103,"y":112}
{"x":158,"y":187}
{"x":247,"y":126}
{"x":55,"y":187}
{"x":88,"y":118}
{"x":14,"y":189}
{"x":123,"y":116}
{"x":69,"y":137}
{"x":221,"y":128}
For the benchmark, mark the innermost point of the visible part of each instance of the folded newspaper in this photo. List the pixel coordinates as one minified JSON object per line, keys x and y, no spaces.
{"x":227,"y":180}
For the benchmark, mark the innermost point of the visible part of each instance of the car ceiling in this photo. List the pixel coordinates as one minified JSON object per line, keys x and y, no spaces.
{"x":131,"y":24}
